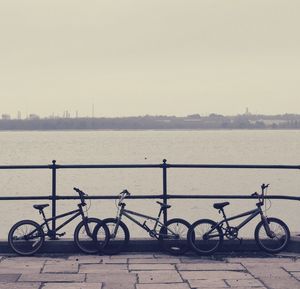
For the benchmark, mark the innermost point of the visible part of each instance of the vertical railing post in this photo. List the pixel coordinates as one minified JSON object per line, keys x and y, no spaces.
{"x":165,"y":189}
{"x":53,"y":197}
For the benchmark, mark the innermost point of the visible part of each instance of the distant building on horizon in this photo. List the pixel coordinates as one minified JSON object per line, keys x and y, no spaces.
{"x":5,"y":116}
{"x":33,"y":116}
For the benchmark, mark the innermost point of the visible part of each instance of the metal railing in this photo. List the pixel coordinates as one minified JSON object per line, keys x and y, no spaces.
{"x":164,"y":196}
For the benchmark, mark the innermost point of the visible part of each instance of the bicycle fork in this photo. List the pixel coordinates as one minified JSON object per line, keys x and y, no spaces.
{"x":269,"y":232}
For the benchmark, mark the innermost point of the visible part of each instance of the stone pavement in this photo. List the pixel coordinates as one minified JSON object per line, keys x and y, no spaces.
{"x":149,"y":271}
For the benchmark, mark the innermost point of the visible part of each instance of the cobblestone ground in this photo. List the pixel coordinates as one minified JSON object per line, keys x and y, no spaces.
{"x":148,"y":271}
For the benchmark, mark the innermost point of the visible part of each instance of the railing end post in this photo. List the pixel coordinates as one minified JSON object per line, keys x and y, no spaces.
{"x":53,"y":197}
{"x":165,"y":190}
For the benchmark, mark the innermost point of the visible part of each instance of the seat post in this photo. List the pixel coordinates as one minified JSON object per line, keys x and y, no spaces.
{"x":224,"y":216}
{"x":44,"y":217}
{"x":159,"y":214}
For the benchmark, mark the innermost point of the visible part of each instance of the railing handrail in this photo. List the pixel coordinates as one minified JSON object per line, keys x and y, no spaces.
{"x":127,"y":166}
{"x":114,"y":197}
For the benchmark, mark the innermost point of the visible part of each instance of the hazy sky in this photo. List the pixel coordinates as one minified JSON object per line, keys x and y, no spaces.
{"x":139,"y":57}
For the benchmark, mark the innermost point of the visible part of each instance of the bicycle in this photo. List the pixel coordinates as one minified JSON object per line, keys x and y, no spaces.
{"x":271,"y":234}
{"x":172,"y":235}
{"x":26,"y":237}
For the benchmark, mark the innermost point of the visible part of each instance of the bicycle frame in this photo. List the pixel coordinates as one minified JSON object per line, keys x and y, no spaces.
{"x":152,"y":232}
{"x":75,"y":213}
{"x":252,"y":214}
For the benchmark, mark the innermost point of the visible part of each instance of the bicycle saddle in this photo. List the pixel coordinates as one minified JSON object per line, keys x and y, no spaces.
{"x":220,"y":205}
{"x":40,"y":207}
{"x":163,"y":206}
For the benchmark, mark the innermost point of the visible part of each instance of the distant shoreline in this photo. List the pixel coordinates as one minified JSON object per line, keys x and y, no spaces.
{"x":129,"y":130}
{"x":190,"y":122}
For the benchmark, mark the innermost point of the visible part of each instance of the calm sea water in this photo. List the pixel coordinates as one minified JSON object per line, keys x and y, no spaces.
{"x":150,"y":147}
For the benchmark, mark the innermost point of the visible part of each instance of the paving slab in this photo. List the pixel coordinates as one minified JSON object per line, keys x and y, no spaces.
{"x":281,"y":283}
{"x":222,"y":266}
{"x":86,"y":259}
{"x":48,"y":277}
{"x":163,"y":286}
{"x":118,"y":286}
{"x":213,"y":283}
{"x":20,"y":285}
{"x":293,"y":267}
{"x":143,"y":267}
{"x":296,"y":275}
{"x":260,"y":260}
{"x":132,"y":256}
{"x":9,"y":277}
{"x":60,"y":267}
{"x":259,"y":271}
{"x":211,"y":275}
{"x":166,"y":276}
{"x":111,"y":277}
{"x":20,"y":268}
{"x":97,"y":268}
{"x":198,"y":260}
{"x":117,"y":261}
{"x":154,"y":260}
{"x":73,"y":286}
{"x":244,"y":283}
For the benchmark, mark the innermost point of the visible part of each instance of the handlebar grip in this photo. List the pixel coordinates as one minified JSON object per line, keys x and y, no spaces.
{"x":263,"y":186}
{"x":79,"y":191}
{"x":125,"y":192}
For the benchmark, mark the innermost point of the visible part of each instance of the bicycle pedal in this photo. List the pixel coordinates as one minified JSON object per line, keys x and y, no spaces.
{"x":61,"y":234}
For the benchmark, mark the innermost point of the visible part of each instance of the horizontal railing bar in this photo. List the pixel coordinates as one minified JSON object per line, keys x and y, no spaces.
{"x":107,"y":197}
{"x":20,"y":198}
{"x":222,"y":166}
{"x":121,"y":166}
{"x":25,"y":167}
{"x":278,"y":197}
{"x":128,"y":166}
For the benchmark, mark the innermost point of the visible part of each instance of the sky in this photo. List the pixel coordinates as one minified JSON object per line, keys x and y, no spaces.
{"x":158,"y":57}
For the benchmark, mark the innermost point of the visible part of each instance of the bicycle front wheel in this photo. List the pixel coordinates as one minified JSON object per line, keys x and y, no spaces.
{"x":205,"y":237}
{"x":84,"y":235}
{"x":26,"y":237}
{"x":117,"y":240}
{"x":279,"y":239}
{"x":173,"y":236}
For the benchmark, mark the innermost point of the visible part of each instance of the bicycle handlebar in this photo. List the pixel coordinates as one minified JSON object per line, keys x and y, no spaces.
{"x":123,"y":195}
{"x":262,"y":195}
{"x":81,"y":194}
{"x":263,"y":187}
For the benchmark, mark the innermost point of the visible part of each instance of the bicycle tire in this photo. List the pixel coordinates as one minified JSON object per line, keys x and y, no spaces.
{"x":267,"y":243}
{"x":19,"y":241}
{"x":200,"y":245}
{"x":88,"y":244}
{"x":117,"y":244}
{"x":175,"y":245}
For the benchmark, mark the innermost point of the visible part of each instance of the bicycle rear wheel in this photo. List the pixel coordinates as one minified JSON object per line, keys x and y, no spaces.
{"x":118,"y":242}
{"x":279,"y":239}
{"x":26,"y":237}
{"x":84,"y":235}
{"x":173,"y":236}
{"x":205,"y":244}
